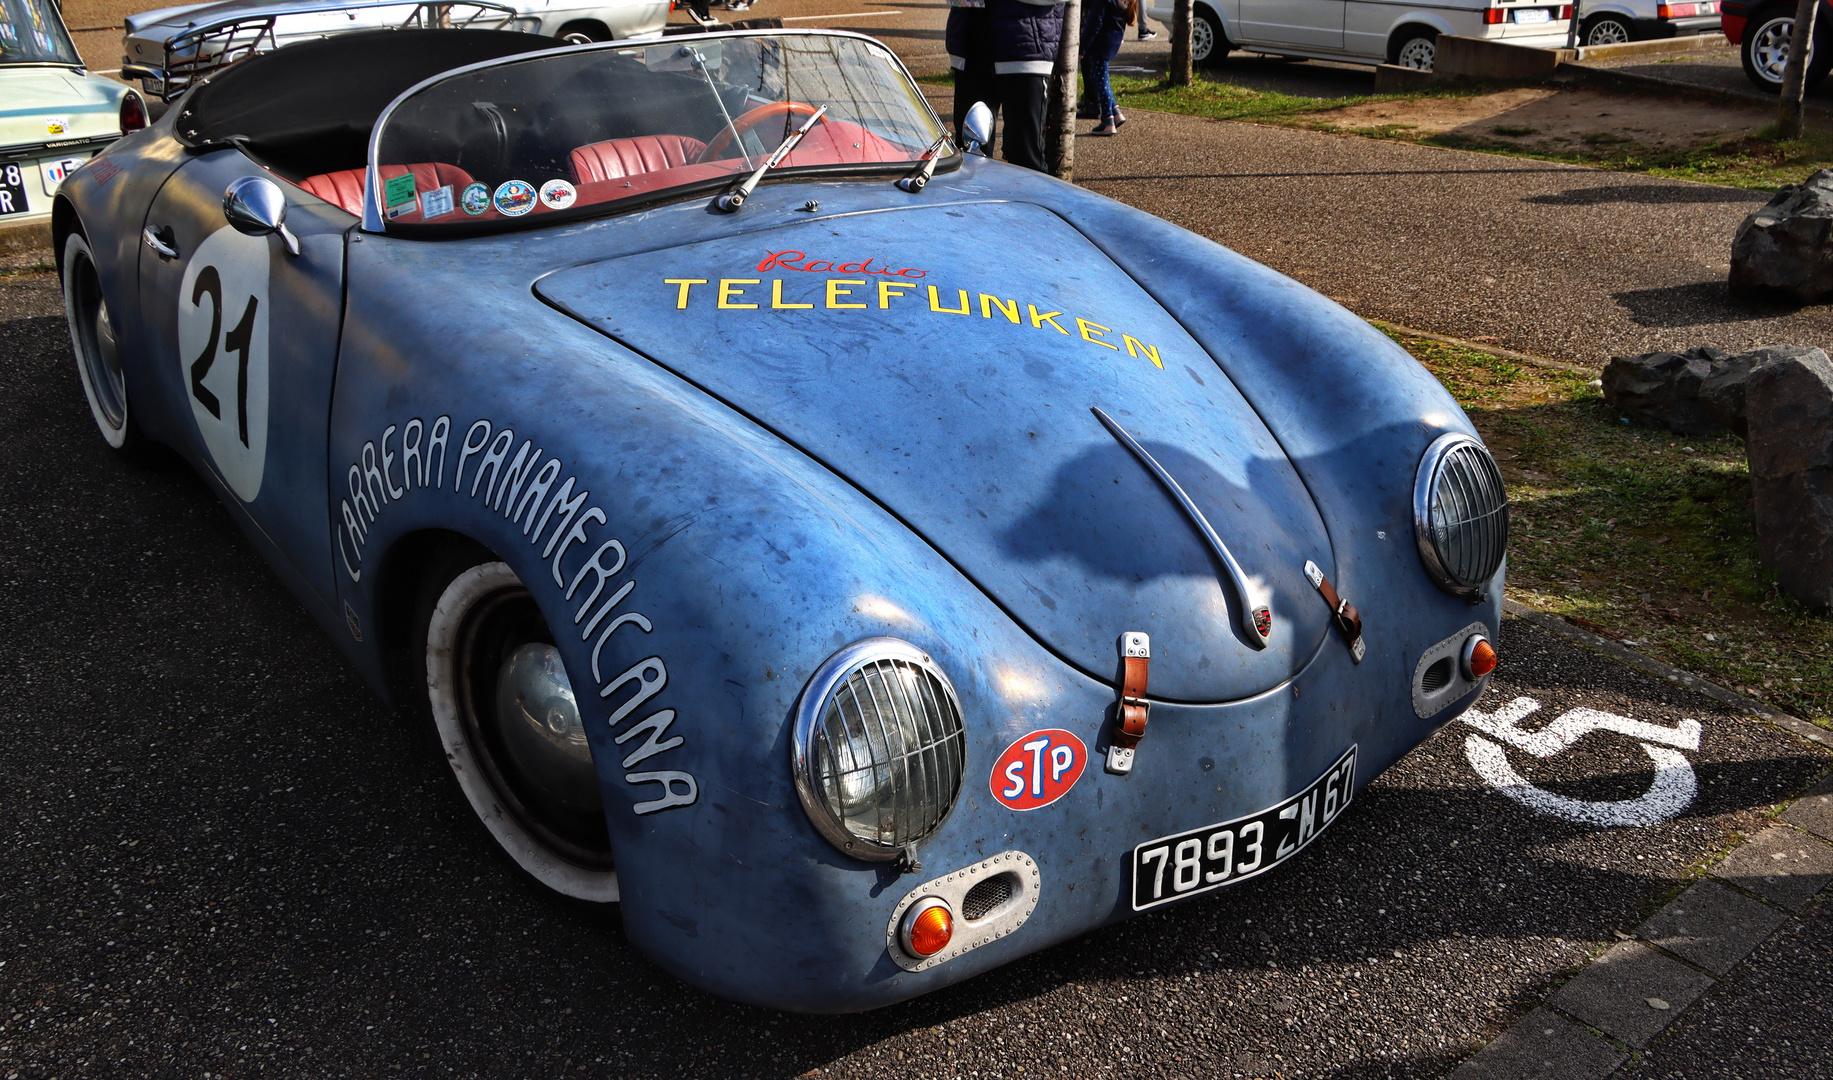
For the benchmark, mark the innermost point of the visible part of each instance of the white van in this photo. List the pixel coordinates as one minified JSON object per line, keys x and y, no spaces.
{"x":1363,"y":31}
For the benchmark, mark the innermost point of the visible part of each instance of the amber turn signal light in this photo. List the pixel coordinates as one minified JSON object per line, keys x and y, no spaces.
{"x":928,"y":927}
{"x":1479,"y":657}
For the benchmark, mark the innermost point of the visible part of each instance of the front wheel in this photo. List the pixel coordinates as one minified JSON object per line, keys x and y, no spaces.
{"x":98,"y":350}
{"x":1415,"y":49}
{"x":1764,"y":50}
{"x":1208,"y":44}
{"x":1608,"y":30}
{"x":511,"y":729}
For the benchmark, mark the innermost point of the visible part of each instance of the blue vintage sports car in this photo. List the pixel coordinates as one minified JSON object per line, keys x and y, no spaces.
{"x":866,"y":561}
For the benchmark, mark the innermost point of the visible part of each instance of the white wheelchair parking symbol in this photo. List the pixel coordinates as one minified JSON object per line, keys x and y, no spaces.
{"x":1672,"y":791}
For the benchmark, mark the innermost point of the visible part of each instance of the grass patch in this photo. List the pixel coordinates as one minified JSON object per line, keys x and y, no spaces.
{"x":1758,"y":161}
{"x":1637,"y":534}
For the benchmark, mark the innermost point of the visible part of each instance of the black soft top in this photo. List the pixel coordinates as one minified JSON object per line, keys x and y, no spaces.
{"x":309,"y":108}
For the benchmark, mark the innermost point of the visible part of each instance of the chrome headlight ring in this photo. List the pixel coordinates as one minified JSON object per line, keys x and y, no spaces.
{"x":1460,"y":514}
{"x":878,"y":751}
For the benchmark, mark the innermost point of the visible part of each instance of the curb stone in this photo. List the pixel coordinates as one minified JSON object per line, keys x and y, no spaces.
{"x":1636,"y":989}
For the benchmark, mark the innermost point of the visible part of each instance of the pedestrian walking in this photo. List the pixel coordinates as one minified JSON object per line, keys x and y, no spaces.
{"x":969,"y":39}
{"x":1104,"y":27}
{"x":1025,"y":35}
{"x":1146,"y":33}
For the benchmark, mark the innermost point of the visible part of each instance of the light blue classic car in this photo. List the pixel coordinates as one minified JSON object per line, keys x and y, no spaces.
{"x":865,"y":561}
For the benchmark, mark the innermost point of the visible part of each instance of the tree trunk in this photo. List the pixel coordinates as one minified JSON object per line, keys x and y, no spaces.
{"x":1180,"y":42}
{"x":1794,"y":70}
{"x":1060,"y":150}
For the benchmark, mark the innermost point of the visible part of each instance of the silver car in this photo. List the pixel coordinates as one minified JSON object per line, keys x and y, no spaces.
{"x":1613,"y":22}
{"x":169,"y":48}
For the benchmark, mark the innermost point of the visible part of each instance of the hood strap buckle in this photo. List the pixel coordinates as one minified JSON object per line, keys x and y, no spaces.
{"x":1344,"y":613}
{"x":1132,"y":710}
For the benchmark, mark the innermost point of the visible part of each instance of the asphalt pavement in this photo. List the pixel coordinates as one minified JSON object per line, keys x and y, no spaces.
{"x":226,"y":859}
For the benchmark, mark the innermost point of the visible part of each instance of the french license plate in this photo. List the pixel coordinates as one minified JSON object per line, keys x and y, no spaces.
{"x":1173,"y":867}
{"x":1532,"y":15}
{"x":12,"y":188}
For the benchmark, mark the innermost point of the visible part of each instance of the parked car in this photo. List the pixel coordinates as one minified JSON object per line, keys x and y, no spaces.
{"x":1761,"y":30}
{"x":54,"y":115}
{"x":1614,"y":22}
{"x":1362,"y":31}
{"x":868,"y":562}
{"x":170,"y":47}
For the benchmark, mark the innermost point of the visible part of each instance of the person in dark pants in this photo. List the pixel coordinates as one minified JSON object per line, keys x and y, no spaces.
{"x":1104,"y":27}
{"x":1025,"y":38}
{"x":970,"y":54}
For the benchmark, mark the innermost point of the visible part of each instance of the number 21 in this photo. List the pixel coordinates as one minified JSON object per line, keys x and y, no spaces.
{"x":210,"y":283}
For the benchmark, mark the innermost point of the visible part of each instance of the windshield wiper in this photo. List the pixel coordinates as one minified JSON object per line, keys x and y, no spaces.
{"x":919,"y":176}
{"x":735,"y":196}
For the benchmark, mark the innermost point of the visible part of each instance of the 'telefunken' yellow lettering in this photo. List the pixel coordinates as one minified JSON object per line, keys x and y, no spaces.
{"x":838,"y":294}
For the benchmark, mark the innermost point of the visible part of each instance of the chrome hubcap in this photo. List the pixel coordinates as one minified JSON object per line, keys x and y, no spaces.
{"x":525,"y":729}
{"x":538,"y":719}
{"x":1769,"y":48}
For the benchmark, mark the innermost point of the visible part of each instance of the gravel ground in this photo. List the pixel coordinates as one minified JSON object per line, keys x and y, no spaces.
{"x":1561,"y":261}
{"x":226,"y":859}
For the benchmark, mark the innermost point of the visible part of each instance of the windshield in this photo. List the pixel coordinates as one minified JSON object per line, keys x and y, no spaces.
{"x":31,"y":33}
{"x":570,"y":132}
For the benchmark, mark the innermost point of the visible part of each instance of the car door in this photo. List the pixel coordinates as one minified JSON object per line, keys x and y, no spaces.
{"x":241,"y":338}
{"x":1303,"y":24}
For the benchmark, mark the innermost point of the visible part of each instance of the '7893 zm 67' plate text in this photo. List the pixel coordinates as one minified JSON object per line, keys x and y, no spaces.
{"x":1173,"y":867}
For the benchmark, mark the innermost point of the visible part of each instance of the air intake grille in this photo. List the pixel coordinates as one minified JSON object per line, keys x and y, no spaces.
{"x":1436,"y":678}
{"x":888,"y":753}
{"x":1467,"y":520}
{"x":987,"y":896}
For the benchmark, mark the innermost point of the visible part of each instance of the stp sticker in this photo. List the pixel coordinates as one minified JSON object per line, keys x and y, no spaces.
{"x":1038,"y":769}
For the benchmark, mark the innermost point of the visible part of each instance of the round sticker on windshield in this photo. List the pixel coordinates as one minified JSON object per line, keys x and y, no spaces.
{"x":475,"y":200}
{"x":1038,"y":769}
{"x":514,"y":198}
{"x":558,"y":194}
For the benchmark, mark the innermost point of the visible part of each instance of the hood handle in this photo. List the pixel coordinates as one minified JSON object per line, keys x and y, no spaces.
{"x":1256,"y":616}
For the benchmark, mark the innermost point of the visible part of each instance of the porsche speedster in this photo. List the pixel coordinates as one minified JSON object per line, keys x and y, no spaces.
{"x":864,"y":561}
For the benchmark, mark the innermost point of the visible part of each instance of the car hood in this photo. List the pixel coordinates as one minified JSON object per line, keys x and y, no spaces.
{"x":946,"y":360}
{"x":35,"y":99}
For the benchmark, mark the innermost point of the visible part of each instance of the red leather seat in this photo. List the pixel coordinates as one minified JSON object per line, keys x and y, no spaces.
{"x":615,"y":159}
{"x":345,"y":188}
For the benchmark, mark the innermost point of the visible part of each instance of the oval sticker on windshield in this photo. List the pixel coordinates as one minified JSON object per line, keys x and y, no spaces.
{"x":1038,"y":769}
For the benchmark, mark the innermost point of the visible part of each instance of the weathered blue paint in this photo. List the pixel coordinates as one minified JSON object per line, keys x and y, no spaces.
{"x":750,"y":465}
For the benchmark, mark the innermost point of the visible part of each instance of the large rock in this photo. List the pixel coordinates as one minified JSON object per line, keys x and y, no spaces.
{"x":1781,"y":251}
{"x":1791,"y":473}
{"x":1661,"y":389}
{"x":1725,"y":391}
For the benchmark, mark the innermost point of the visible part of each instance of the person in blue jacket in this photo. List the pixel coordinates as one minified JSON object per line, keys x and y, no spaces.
{"x":1104,"y":27}
{"x":1025,"y":38}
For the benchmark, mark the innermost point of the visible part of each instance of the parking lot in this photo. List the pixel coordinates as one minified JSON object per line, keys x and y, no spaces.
{"x":228,"y":859}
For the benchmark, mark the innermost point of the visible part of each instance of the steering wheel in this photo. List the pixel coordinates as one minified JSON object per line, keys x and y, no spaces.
{"x":757,"y":117}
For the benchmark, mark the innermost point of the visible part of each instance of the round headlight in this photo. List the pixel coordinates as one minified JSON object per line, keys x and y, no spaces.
{"x":1460,"y":514}
{"x":878,"y":750}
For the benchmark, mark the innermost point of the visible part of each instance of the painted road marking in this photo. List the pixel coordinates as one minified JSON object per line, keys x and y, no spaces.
{"x":842,"y":15}
{"x":1672,"y":791}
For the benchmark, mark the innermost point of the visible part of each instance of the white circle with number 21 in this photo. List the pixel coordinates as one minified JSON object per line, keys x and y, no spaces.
{"x":222,"y":353}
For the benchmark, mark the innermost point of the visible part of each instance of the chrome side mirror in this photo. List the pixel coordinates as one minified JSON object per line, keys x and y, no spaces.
{"x":977,"y":128}
{"x":255,"y":206}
